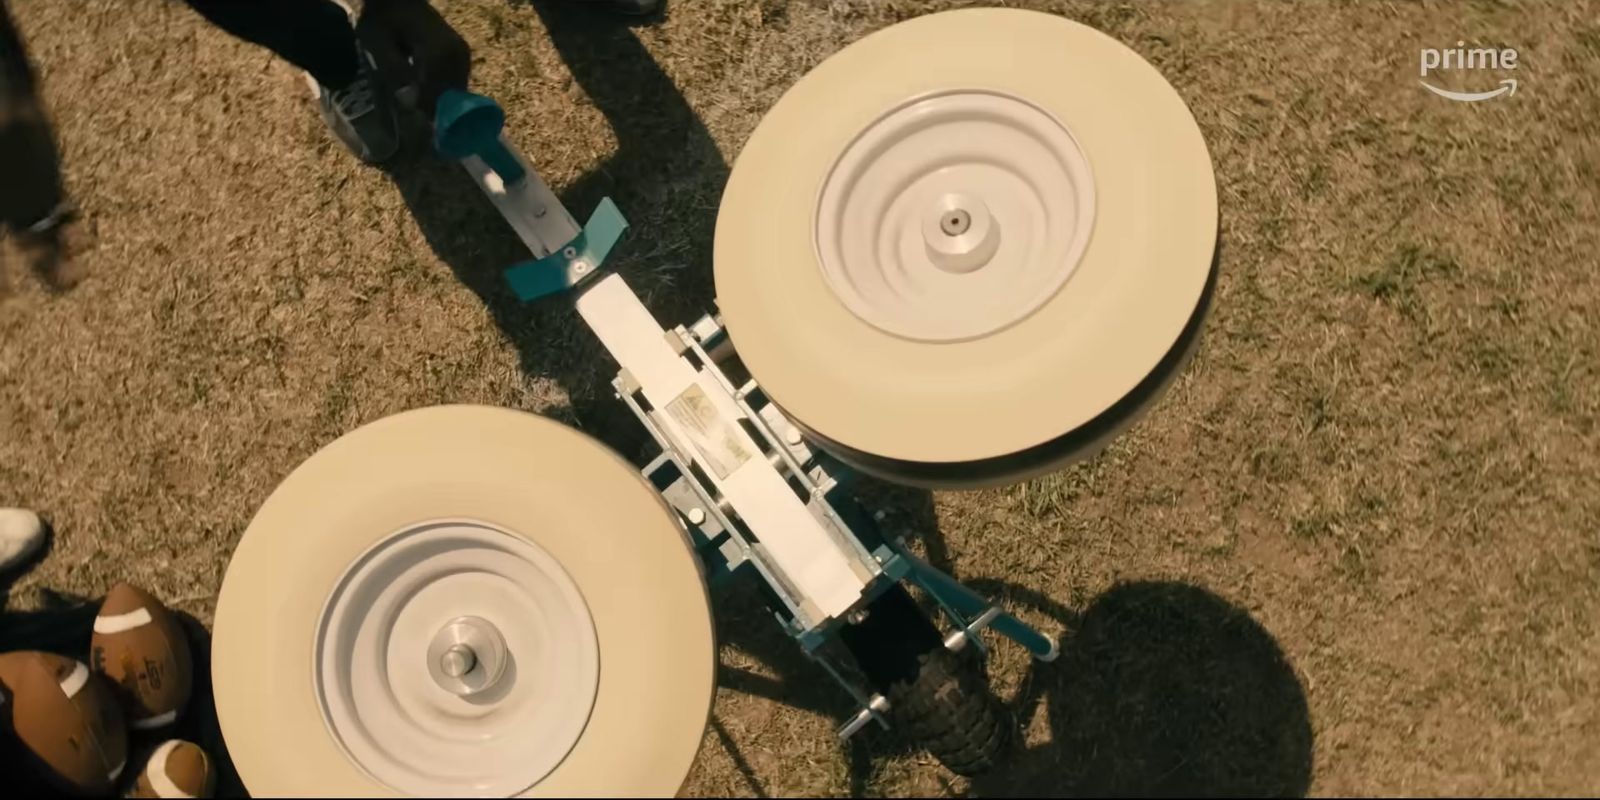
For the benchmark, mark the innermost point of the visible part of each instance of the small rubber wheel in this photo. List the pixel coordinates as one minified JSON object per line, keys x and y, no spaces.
{"x":949,"y":710}
{"x":938,"y":699}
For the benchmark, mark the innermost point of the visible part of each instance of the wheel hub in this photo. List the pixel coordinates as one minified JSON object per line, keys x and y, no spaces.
{"x":467,"y":656}
{"x":954,"y":216}
{"x":455,"y":658}
{"x":959,"y":234}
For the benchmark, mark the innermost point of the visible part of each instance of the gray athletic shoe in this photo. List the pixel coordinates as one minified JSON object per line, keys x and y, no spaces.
{"x":362,"y":115}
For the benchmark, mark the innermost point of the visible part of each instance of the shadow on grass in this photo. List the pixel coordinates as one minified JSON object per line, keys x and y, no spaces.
{"x":1162,"y":690}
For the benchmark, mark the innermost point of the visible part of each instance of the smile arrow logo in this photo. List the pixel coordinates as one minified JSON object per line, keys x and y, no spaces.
{"x":1508,"y":87}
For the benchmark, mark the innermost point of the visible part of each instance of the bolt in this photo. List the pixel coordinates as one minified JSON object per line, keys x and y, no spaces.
{"x":697,"y":516}
{"x":792,"y":436}
{"x":458,"y":660}
{"x":955,"y":222}
{"x":580,"y":267}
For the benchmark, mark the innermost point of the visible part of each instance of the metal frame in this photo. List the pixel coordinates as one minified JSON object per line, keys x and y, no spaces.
{"x":754,"y":495}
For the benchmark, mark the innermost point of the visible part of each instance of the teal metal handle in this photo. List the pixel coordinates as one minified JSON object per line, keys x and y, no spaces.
{"x":467,"y":124}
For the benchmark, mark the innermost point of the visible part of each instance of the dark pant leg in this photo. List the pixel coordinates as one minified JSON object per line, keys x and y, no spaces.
{"x":314,"y":35}
{"x":30,"y":164}
{"x":16,"y":75}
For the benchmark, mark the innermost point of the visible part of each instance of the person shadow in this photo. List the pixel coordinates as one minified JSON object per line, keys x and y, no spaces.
{"x":1163,"y":689}
{"x":665,"y":166}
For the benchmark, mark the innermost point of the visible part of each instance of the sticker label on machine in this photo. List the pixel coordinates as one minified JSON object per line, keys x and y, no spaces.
{"x":716,"y":438}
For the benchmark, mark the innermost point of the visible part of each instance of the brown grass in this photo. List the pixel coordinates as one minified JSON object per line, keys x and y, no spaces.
{"x":1359,"y":543}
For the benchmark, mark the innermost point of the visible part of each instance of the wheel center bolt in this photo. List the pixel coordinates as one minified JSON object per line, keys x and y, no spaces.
{"x":458,"y":660}
{"x":467,"y":656}
{"x":959,"y":233}
{"x":956,"y":222}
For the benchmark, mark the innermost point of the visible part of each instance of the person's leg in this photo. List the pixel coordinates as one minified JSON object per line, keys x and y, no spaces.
{"x":318,"y":36}
{"x":34,"y":207}
{"x":314,"y":35}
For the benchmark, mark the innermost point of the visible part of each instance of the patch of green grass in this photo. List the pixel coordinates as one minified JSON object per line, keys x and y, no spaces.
{"x":1399,"y":281}
{"x":1315,"y":179}
{"x":1491,"y":358}
{"x":1587,"y":44}
{"x":496,"y":19}
{"x":1314,"y":524}
{"x":1354,"y":564}
{"x":1274,"y":464}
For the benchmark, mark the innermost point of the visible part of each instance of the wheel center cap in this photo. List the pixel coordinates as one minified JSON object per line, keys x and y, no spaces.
{"x":426,"y":657}
{"x":467,"y":656}
{"x":954,"y":215}
{"x":959,"y":234}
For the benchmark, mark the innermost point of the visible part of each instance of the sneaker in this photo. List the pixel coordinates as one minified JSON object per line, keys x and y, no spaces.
{"x":21,"y":533}
{"x":361,"y":115}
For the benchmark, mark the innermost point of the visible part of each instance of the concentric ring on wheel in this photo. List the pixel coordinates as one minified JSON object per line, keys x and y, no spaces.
{"x":969,"y":373}
{"x":414,"y":550}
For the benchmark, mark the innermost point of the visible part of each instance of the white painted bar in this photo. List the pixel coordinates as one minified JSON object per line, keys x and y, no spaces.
{"x":532,"y":210}
{"x":700,"y":415}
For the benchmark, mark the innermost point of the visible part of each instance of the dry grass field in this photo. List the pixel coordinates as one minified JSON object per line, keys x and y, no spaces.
{"x":1355,"y":551}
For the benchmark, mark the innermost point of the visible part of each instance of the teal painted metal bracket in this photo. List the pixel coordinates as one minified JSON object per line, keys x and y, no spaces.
{"x":574,"y":263}
{"x":468,"y":125}
{"x":970,"y":609}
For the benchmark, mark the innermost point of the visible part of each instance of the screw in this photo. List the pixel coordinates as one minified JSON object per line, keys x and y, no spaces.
{"x":580,"y":267}
{"x":697,"y":516}
{"x":955,"y":222}
{"x":458,"y":660}
{"x":570,"y":252}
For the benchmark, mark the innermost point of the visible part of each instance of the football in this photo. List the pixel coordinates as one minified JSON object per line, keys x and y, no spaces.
{"x":143,"y":652}
{"x":176,"y":769}
{"x":65,"y":719}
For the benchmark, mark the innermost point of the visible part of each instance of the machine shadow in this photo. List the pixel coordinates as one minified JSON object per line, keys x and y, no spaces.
{"x":666,"y":176}
{"x":1163,"y":689}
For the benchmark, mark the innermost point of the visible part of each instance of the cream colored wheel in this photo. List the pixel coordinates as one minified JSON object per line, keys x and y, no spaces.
{"x":463,"y":601}
{"x":969,"y":247}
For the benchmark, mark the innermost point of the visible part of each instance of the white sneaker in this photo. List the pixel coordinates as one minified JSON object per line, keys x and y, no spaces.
{"x":21,"y":533}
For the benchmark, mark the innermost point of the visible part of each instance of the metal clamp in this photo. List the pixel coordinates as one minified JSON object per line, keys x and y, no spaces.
{"x":876,"y":709}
